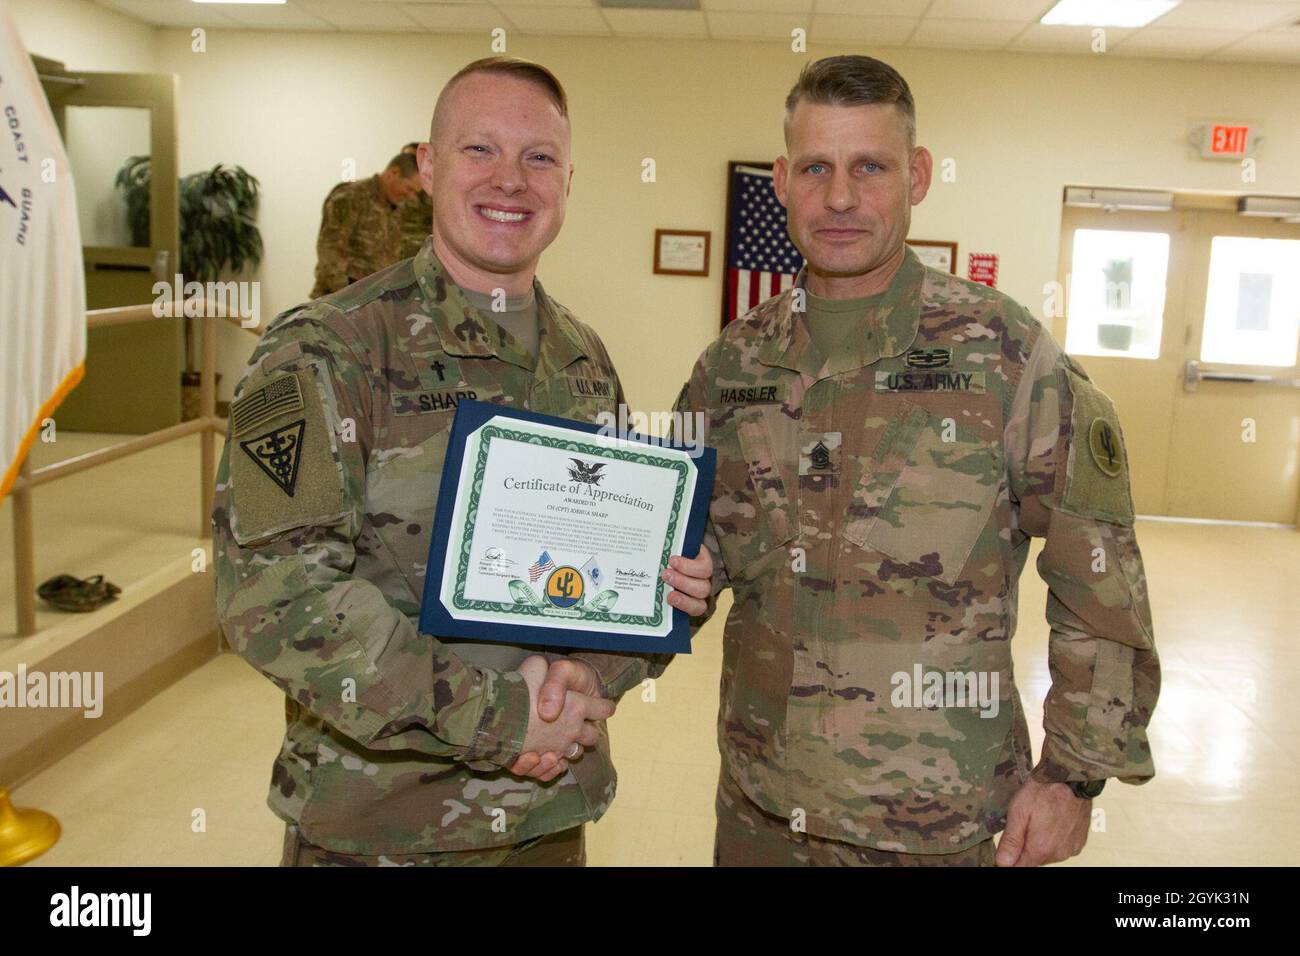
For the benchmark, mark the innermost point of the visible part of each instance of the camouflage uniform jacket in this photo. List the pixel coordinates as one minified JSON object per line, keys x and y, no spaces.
{"x":416,"y":216}
{"x":360,"y":233}
{"x":873,"y":515}
{"x":395,"y":740}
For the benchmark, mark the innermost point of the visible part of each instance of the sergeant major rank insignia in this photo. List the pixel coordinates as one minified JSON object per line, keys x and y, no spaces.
{"x":928,"y":358}
{"x":278,"y":452}
{"x":819,"y":454}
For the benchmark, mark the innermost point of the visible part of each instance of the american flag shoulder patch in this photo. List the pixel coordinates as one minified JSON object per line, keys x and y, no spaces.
{"x":277,"y":397}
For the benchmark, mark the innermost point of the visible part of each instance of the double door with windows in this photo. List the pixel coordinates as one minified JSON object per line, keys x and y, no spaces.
{"x":1155,"y":300}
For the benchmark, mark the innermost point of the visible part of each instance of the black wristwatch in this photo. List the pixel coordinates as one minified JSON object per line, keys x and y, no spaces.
{"x":1086,"y":790}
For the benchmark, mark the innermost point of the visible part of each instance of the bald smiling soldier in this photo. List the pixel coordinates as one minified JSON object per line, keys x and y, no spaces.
{"x":403,"y":747}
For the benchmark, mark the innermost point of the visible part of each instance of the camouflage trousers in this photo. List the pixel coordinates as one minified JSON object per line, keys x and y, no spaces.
{"x":749,"y":836}
{"x":566,"y":848}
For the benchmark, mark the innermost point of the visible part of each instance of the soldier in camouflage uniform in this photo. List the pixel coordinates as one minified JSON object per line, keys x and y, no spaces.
{"x":416,"y":214}
{"x":402,"y":748}
{"x":876,"y":493}
{"x":361,"y":223}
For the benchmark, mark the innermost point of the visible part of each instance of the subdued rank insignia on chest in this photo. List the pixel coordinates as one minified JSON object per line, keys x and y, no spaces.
{"x":930,"y":382}
{"x":278,"y":452}
{"x":1105,"y":446}
{"x":279,"y":396}
{"x":752,"y":395}
{"x":820,"y":454}
{"x":929,"y":358}
{"x":590,"y":387}
{"x":437,"y":400}
{"x":440,"y":373}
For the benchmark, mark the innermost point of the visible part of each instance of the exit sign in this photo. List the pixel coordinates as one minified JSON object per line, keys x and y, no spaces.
{"x":1228,"y":140}
{"x":1224,"y":140}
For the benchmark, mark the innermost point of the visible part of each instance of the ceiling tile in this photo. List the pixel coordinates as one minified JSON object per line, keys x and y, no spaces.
{"x":1025,"y":11}
{"x":172,"y":14}
{"x":454,"y":17}
{"x":556,"y":21}
{"x":1276,"y":46}
{"x":757,"y":6}
{"x":754,"y":26}
{"x":878,"y":31}
{"x":1234,"y":17}
{"x":1156,"y":41}
{"x":873,"y":8}
{"x":965,"y":33}
{"x":1063,"y":39}
{"x":590,"y":4}
{"x":350,"y":15}
{"x":657,"y":23}
{"x":265,"y":16}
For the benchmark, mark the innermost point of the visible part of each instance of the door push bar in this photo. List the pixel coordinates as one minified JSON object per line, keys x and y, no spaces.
{"x":1196,"y":373}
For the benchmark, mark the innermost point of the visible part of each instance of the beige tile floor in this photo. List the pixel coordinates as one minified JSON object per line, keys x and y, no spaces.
{"x":1224,"y":600}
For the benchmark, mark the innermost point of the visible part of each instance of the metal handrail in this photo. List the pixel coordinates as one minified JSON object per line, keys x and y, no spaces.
{"x":207,"y":426}
{"x":1195,"y":373}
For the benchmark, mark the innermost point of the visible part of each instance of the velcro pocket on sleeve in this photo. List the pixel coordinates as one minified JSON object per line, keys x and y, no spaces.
{"x":285,"y":469}
{"x":1097,"y":477}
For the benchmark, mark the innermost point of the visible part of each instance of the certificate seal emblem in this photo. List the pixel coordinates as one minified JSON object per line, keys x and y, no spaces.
{"x":564,"y":586}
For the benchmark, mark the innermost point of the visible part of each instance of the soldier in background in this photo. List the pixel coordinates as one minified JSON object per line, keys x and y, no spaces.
{"x":402,"y":747}
{"x":360,"y":225}
{"x":889,"y":437}
{"x":416,"y":214}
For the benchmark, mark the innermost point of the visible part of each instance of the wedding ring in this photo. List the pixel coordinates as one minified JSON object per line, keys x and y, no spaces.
{"x":574,"y":751}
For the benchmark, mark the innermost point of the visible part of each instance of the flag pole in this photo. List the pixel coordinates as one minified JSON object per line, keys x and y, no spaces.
{"x":24,"y":834}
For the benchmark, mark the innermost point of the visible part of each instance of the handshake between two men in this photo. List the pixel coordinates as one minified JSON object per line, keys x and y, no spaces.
{"x":565,"y":695}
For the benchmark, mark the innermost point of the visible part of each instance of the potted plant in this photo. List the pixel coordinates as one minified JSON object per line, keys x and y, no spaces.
{"x":218,"y":208}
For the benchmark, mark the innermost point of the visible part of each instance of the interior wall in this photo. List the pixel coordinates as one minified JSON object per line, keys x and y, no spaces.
{"x":292,"y":108}
{"x":84,"y":36}
{"x":1011,"y":129}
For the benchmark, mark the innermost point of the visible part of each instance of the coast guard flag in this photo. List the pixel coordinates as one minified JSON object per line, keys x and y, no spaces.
{"x":761,"y":259}
{"x":42,"y":285}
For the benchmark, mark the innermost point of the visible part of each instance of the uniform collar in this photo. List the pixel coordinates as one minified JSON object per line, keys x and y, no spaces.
{"x":464,"y":331}
{"x":884,"y":332}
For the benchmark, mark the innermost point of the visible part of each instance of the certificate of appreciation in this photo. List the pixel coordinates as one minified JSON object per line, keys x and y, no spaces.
{"x":551,"y":532}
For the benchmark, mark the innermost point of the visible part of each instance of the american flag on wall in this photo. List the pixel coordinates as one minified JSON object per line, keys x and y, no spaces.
{"x":761,"y":259}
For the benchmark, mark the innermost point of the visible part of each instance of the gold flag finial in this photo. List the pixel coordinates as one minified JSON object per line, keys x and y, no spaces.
{"x":24,"y":834}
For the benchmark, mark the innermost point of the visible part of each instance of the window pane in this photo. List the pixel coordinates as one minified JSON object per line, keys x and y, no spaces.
{"x":102,"y":142}
{"x":1252,"y":302}
{"x":1117,"y":293}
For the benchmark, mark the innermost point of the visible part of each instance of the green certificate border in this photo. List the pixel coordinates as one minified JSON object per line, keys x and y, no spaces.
{"x":467,"y":518}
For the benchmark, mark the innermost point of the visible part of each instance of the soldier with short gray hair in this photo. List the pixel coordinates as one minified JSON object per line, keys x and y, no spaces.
{"x":889,"y":439}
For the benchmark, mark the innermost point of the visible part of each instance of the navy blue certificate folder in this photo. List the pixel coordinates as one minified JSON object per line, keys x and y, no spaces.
{"x":567,"y":592}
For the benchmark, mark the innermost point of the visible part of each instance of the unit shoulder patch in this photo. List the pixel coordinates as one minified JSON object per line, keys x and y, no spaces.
{"x":1097,"y":480}
{"x":278,"y":453}
{"x":284,"y":467}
